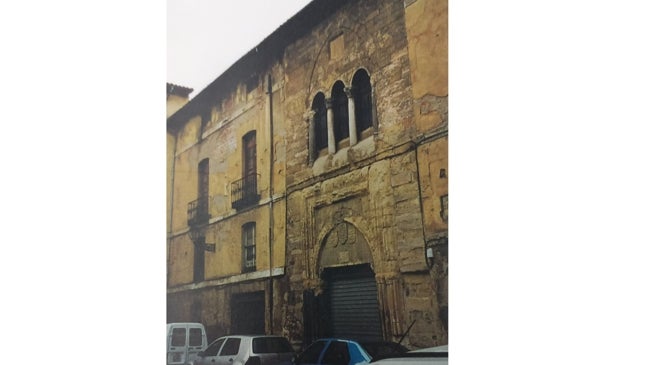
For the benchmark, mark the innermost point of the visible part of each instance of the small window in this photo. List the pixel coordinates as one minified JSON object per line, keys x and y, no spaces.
{"x":248,"y":246}
{"x":337,"y":354}
{"x":178,"y":337}
{"x":231,"y":347}
{"x":196,"y":337}
{"x":213,"y":349}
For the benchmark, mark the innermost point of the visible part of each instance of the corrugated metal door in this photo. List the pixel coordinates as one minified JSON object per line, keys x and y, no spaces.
{"x":354,"y":309}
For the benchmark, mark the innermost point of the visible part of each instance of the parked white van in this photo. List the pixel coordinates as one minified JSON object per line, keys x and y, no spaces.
{"x":184,"y":341}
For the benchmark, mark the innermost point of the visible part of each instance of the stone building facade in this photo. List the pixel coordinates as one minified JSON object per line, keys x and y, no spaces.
{"x":346,"y":106}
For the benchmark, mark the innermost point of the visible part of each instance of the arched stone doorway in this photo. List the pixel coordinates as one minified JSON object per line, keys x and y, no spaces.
{"x":350,"y":306}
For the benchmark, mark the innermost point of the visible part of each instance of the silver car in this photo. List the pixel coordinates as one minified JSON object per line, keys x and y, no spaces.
{"x":247,"y":350}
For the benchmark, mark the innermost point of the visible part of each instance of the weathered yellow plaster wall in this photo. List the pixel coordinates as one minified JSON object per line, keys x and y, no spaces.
{"x":219,"y":139}
{"x":227,"y":237}
{"x":185,"y":187}
{"x":174,"y":103}
{"x":181,"y":261}
{"x":432,"y":157}
{"x":279,"y":144}
{"x":427,"y":32}
{"x":171,"y":143}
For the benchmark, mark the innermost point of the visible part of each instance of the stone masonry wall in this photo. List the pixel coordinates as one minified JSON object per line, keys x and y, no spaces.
{"x":374,"y":185}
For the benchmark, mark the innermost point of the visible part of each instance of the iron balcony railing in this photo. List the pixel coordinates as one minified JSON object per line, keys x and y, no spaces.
{"x":244,"y":191}
{"x":197,"y":211}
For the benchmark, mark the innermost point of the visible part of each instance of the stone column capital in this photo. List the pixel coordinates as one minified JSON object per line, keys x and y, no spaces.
{"x":348,"y":91}
{"x":328,"y":103}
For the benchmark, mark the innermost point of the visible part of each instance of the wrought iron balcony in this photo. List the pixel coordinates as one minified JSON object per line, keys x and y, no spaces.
{"x":244,"y":192}
{"x":197,"y":212}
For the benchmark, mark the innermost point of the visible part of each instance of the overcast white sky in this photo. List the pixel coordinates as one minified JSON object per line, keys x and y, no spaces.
{"x":205,"y":37}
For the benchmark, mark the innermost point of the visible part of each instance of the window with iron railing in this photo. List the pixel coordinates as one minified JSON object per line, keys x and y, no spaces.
{"x":244,"y":191}
{"x":197,"y":211}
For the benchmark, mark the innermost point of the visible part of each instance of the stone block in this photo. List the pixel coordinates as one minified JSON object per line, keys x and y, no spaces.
{"x":401,"y":179}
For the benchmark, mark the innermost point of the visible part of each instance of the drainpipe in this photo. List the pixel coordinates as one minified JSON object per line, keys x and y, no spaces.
{"x":270,"y":101}
{"x":416,"y":146}
{"x":171,"y":206}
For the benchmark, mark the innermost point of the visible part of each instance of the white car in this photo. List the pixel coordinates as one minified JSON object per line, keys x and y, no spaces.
{"x":184,"y":341}
{"x":247,"y":350}
{"x":443,"y":348}
{"x":431,"y":355}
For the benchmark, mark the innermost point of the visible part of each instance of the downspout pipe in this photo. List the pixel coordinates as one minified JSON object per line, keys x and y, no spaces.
{"x":171,"y":206}
{"x":269,"y":87}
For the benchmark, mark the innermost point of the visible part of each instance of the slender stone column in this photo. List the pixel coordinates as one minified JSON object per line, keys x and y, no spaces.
{"x":331,"y":142}
{"x":352,"y":121}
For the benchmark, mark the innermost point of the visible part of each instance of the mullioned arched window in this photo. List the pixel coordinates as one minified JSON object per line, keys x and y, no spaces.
{"x":340,"y":110}
{"x":362,"y":94}
{"x":320,"y":121}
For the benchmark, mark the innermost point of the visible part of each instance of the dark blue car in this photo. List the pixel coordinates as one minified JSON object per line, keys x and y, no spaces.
{"x":334,"y":351}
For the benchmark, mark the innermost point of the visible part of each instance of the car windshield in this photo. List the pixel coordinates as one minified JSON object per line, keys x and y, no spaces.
{"x":268,"y":345}
{"x":312,"y":353}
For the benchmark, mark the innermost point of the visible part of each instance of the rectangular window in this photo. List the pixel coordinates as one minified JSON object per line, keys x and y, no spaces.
{"x":231,"y":347}
{"x":250,"y":154}
{"x":248,"y":247}
{"x":213,"y":349}
{"x":271,"y":345}
{"x":178,"y":337}
{"x":196,"y":337}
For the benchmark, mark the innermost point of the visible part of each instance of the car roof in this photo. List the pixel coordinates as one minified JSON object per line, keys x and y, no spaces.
{"x":336,"y":339}
{"x":184,"y":324}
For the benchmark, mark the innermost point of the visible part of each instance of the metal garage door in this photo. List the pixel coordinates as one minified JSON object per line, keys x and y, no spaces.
{"x":354,"y":309}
